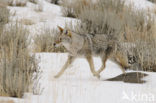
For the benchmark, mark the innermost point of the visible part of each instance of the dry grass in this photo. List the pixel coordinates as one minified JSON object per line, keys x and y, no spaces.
{"x":140,"y":28}
{"x":153,"y":1}
{"x":27,"y":21}
{"x":53,"y":1}
{"x":38,"y":7}
{"x":4,"y":14}
{"x":18,"y":68}
{"x":20,"y":3}
{"x":3,"y":3}
{"x":153,"y":10}
{"x":7,"y":101}
{"x":72,"y":8}
{"x":103,"y":18}
{"x":44,"y":42}
{"x":34,"y":1}
{"x":112,"y":17}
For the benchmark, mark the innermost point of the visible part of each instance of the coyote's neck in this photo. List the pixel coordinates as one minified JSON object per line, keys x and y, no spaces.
{"x":77,"y":42}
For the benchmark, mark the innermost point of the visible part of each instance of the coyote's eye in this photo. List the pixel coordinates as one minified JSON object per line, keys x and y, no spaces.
{"x":66,"y":32}
{"x":60,"y":39}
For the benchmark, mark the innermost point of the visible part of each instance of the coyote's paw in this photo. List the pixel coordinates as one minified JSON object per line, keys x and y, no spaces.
{"x":56,"y":76}
{"x":97,"y":75}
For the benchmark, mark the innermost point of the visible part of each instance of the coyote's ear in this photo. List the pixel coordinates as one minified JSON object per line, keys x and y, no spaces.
{"x":61,"y":29}
{"x":70,"y":34}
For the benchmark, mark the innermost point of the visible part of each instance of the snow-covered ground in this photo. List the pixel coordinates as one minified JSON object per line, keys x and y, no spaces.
{"x":77,"y":85}
{"x":49,"y":17}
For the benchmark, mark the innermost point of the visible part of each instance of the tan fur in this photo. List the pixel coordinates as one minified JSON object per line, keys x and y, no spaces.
{"x":88,"y":46}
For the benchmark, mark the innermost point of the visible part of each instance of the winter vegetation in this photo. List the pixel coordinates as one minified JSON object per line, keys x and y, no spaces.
{"x":34,"y":1}
{"x":20,"y":3}
{"x":154,"y":1}
{"x":72,"y":8}
{"x":29,"y":29}
{"x":53,"y":1}
{"x":18,"y":67}
{"x":120,"y":21}
{"x":4,"y":16}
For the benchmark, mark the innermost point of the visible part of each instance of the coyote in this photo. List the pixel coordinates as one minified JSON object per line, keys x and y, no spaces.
{"x":89,"y":45}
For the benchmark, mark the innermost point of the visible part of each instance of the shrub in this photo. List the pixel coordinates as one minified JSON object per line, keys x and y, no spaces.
{"x":103,"y":18}
{"x":7,"y":101}
{"x":34,"y":1}
{"x":53,"y":1}
{"x":17,"y":2}
{"x":112,"y":17}
{"x":153,"y":1}
{"x":38,"y":7}
{"x":146,"y":56}
{"x":18,"y":68}
{"x":44,"y":42}
{"x":72,"y":8}
{"x":139,"y":28}
{"x":4,"y":15}
{"x":27,"y":21}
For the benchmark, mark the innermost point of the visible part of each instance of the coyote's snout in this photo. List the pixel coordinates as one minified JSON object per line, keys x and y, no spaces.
{"x":89,"y":45}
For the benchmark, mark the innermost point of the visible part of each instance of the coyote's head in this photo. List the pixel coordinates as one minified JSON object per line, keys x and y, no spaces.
{"x":70,"y":40}
{"x":63,"y":38}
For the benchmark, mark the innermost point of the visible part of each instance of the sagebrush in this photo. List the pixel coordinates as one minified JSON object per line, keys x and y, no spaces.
{"x":34,"y":1}
{"x":154,"y":1}
{"x":18,"y":68}
{"x":4,"y":14}
{"x":113,"y":17}
{"x":72,"y":8}
{"x":20,"y":3}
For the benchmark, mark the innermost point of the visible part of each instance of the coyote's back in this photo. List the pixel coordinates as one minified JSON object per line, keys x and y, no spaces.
{"x":103,"y":43}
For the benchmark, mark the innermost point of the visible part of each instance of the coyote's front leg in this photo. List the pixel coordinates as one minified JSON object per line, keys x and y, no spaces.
{"x":91,"y":64}
{"x":68,"y":62}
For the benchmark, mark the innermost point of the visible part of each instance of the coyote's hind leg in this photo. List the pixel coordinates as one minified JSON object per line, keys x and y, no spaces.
{"x":104,"y":59}
{"x":122,"y":62}
{"x":68,"y":62}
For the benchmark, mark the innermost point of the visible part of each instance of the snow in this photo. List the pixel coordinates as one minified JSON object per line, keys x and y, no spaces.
{"x":9,"y":99}
{"x":50,"y":17}
{"x":140,"y":4}
{"x":77,"y":84}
